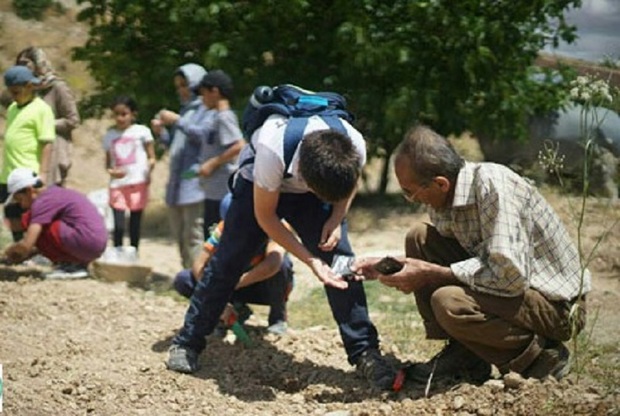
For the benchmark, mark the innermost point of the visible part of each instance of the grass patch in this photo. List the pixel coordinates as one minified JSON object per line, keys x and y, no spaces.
{"x":394,"y":314}
{"x":601,"y":362}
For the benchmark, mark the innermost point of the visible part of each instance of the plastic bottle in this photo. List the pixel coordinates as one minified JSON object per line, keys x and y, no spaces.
{"x":233,"y":323}
{"x":192,"y":172}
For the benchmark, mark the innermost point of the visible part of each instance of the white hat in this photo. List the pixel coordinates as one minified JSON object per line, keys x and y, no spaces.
{"x":21,"y":178}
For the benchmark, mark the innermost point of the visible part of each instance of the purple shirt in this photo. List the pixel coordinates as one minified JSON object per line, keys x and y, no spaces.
{"x":82,"y":229}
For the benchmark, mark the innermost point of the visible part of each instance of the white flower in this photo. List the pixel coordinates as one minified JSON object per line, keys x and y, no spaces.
{"x":582,"y":80}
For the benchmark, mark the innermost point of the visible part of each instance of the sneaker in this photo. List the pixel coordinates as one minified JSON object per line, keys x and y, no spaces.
{"x":220,"y":330}
{"x":67,"y":271}
{"x":454,"y":362}
{"x":182,"y":359}
{"x":37,"y":260}
{"x":376,"y":369}
{"x":279,"y":328}
{"x":554,"y":362}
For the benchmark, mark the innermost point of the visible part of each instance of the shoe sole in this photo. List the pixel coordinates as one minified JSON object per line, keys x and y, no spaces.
{"x":473,"y":377}
{"x":183,"y":370}
{"x":171,"y":363}
{"x":67,"y":276}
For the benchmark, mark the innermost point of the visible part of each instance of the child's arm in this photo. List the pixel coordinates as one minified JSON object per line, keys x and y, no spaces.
{"x":114,"y":172}
{"x":46,"y":156}
{"x":200,"y":262}
{"x":331,"y":233}
{"x":210,"y":165}
{"x":209,"y":248}
{"x":265,"y":205}
{"x":197,"y":127}
{"x":24,"y":249}
{"x":267,"y":268}
{"x":149,"y":147}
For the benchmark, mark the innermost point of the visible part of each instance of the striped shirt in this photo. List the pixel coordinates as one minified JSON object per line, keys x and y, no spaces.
{"x":515,"y":238}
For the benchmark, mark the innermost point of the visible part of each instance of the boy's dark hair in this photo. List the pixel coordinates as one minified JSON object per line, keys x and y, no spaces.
{"x":126,"y":101}
{"x":329,"y":164}
{"x":221,"y":80}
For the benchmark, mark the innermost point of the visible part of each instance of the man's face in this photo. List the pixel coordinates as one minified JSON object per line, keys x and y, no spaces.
{"x":434,"y":193}
{"x":22,"y":93}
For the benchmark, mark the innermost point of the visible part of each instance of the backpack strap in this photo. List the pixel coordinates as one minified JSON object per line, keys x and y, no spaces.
{"x":294,"y":133}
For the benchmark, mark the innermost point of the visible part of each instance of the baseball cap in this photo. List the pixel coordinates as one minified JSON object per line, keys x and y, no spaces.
{"x":19,"y":75}
{"x":220,"y":79}
{"x":20,"y":178}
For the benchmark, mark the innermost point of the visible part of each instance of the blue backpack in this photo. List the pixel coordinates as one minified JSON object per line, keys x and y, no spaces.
{"x":298,"y":105}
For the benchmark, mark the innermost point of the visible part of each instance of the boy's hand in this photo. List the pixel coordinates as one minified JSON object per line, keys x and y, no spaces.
{"x":330,"y":236}
{"x":326,"y":275}
{"x":208,"y":167}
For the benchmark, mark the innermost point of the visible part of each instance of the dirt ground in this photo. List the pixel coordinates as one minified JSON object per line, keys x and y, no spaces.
{"x":95,"y":348}
{"x":90,"y":347}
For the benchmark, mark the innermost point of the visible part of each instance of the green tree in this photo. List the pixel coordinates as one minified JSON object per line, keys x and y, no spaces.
{"x":458,"y":66}
{"x":31,"y":9}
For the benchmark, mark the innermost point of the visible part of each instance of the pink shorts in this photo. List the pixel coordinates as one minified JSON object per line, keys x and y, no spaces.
{"x":130,"y":197}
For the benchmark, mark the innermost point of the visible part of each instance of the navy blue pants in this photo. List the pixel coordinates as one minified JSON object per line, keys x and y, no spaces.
{"x":211,"y":215}
{"x":272,"y":292}
{"x":242,"y":238}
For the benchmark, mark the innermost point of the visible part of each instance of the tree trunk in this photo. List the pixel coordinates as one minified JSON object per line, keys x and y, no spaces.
{"x":385,"y":175}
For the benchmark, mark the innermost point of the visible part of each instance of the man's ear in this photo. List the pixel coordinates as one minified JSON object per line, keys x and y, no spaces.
{"x":442,"y":182}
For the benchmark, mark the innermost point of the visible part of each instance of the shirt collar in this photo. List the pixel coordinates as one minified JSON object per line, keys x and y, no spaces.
{"x":464,"y":193}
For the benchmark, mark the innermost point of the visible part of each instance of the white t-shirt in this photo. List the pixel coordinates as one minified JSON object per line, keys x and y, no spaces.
{"x":126,"y":149}
{"x":268,"y":169}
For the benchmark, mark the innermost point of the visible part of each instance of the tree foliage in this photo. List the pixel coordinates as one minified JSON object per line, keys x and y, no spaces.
{"x":463,"y":65}
{"x":32,"y":9}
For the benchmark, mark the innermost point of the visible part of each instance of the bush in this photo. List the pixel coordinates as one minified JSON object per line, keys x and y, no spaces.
{"x":31,"y":9}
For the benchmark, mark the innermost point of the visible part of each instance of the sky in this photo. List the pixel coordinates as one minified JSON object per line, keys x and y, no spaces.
{"x":598,"y":28}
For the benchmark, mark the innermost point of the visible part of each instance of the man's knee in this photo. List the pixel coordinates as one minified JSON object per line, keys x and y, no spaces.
{"x":448,"y":303}
{"x":415,"y":240}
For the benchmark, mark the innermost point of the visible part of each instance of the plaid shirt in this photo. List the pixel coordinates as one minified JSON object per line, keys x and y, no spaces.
{"x":515,"y":238}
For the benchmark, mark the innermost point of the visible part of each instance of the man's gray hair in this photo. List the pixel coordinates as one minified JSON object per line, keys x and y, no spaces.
{"x":430,"y":155}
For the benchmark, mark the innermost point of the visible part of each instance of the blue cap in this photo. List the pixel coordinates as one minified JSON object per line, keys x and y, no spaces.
{"x":19,"y":75}
{"x":225,"y":204}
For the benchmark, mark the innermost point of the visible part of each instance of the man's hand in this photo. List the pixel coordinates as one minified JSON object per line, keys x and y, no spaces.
{"x":417,"y":274}
{"x":326,"y":275}
{"x":364,"y":266}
